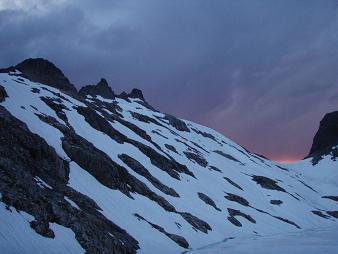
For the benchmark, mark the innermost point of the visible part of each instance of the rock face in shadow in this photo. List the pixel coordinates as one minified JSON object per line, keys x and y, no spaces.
{"x":3,"y":94}
{"x":42,"y":71}
{"x":232,"y":217}
{"x":227,"y":156}
{"x":137,"y":94}
{"x":276,"y":202}
{"x":267,"y":183}
{"x":197,"y":223}
{"x":326,"y":137}
{"x":238,"y":199}
{"x":233,"y":183}
{"x":172,"y":167}
{"x":33,"y":179}
{"x":102,"y":88}
{"x":196,"y":158}
{"x":176,"y":123}
{"x":206,"y":199}
{"x":141,"y":170}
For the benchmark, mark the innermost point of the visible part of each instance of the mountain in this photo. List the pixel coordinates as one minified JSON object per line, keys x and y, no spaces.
{"x":96,"y":172}
{"x":326,"y":138}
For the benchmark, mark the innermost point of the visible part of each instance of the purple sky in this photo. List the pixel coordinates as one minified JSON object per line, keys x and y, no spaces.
{"x":261,"y":72}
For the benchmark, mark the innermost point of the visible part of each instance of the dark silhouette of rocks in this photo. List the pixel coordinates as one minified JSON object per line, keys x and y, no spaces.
{"x":276,"y":202}
{"x":3,"y":93}
{"x":134,"y":94}
{"x":196,"y":158}
{"x":325,"y":138}
{"x":102,"y":88}
{"x":28,"y":159}
{"x":232,"y":183}
{"x":237,"y":198}
{"x":140,"y":169}
{"x":233,"y":213}
{"x":176,"y":123}
{"x":267,"y":183}
{"x":227,"y":156}
{"x":206,"y":199}
{"x":137,"y":94}
{"x":42,"y":71}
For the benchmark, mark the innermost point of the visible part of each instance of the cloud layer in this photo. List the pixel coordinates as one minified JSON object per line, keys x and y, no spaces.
{"x":261,"y":72}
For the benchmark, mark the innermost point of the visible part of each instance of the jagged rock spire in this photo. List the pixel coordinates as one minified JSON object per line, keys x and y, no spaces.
{"x":136,"y":93}
{"x":101,"y":88}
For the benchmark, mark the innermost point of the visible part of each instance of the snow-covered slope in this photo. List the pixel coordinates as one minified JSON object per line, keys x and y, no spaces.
{"x":148,"y":181}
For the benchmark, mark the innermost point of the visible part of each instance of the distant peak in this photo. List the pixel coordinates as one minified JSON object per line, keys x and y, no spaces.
{"x":326,"y":136}
{"x":101,"y":88}
{"x":136,"y":93}
{"x":102,"y":82}
{"x":45,"y":72}
{"x":37,"y":62}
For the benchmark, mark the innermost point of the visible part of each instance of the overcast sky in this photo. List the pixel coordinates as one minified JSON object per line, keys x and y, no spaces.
{"x":261,"y":72}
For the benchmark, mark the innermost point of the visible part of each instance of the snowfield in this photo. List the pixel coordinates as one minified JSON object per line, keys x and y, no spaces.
{"x":249,"y":203}
{"x":311,"y":241}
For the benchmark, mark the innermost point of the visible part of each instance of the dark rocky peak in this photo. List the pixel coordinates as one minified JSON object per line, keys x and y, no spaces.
{"x":102,"y":84}
{"x":102,"y":88}
{"x":136,"y":93}
{"x":42,"y":71}
{"x":326,"y":136}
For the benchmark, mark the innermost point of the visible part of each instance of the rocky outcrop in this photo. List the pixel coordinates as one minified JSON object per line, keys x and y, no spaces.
{"x":102,"y":88}
{"x":267,"y":183}
{"x":197,"y":223}
{"x":172,"y":167}
{"x":205,"y":134}
{"x":141,"y":170}
{"x":334,"y":198}
{"x":171,"y":148}
{"x":178,"y":124}
{"x":27,"y":162}
{"x":215,"y":169}
{"x":333,"y":214}
{"x":57,"y":106}
{"x":320,"y":214}
{"x":137,"y":94}
{"x":196,"y":158}
{"x":113,"y":175}
{"x":206,"y":199}
{"x":42,"y":71}
{"x":237,"y":198}
{"x":227,"y":156}
{"x":232,"y":217}
{"x":325,"y":138}
{"x":232,"y":183}
{"x":3,"y":94}
{"x":276,"y":202}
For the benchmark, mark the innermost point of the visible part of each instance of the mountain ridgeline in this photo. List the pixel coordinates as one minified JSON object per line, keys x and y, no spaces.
{"x":91,"y":171}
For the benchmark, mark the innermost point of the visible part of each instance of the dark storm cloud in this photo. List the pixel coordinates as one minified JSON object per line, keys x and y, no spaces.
{"x":261,"y":72}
